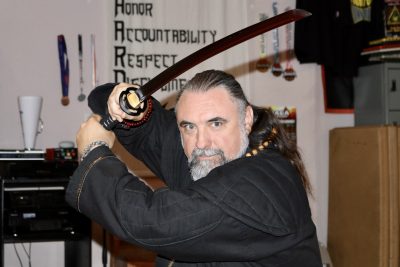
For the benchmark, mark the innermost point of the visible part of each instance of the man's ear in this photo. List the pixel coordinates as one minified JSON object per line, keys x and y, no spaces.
{"x":248,"y":120}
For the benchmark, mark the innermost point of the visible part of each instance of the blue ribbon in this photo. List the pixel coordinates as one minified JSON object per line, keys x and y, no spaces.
{"x":64,"y":64}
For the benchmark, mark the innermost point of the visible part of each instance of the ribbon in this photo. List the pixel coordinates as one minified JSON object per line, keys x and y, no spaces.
{"x":81,"y":96}
{"x":94,"y":71}
{"x":64,"y":67}
{"x":262,"y":64}
{"x":276,"y":66}
{"x":289,"y":74}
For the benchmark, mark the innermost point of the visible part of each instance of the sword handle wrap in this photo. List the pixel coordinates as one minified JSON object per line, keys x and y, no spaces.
{"x":133,"y":103}
{"x":108,"y":122}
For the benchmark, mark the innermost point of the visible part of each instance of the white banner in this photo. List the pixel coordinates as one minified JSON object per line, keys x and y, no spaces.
{"x":147,"y":37}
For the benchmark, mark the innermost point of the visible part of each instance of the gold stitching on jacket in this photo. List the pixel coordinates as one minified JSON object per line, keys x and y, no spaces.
{"x":80,"y":187}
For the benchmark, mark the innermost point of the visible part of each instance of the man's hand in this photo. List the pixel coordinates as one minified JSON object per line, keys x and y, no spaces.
{"x":91,"y":131}
{"x":114,"y":108}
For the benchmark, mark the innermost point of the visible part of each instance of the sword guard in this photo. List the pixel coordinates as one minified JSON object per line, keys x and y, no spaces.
{"x":132,"y":103}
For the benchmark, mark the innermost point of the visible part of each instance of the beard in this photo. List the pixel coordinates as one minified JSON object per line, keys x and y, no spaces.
{"x":200,"y":168}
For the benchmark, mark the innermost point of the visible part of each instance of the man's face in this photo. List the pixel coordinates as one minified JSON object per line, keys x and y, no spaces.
{"x":211,"y":128}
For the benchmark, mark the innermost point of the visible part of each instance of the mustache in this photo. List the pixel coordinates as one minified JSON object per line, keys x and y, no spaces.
{"x":208,"y":152}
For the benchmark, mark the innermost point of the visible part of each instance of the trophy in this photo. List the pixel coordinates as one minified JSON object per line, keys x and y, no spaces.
{"x":29,"y":110}
{"x":392,"y":19}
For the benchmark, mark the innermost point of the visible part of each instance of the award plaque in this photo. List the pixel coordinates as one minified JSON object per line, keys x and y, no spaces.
{"x":392,"y":18}
{"x":287,"y":117}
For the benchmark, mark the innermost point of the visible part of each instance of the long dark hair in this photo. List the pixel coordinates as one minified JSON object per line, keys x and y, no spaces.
{"x":265,"y":124}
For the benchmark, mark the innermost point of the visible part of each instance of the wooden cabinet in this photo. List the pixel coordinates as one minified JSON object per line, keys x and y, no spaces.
{"x":127,"y":255}
{"x":377,"y":94}
{"x":363,"y":217}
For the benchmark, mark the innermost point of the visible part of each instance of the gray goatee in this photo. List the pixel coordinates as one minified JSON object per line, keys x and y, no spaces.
{"x":200,"y":168}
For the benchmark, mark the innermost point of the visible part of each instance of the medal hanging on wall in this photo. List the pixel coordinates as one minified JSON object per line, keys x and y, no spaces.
{"x":289,"y":74}
{"x":64,"y":68}
{"x":263,"y":64}
{"x":276,"y":66}
{"x":81,"y":96}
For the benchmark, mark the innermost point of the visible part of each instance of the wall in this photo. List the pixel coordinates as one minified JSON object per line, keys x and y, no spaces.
{"x":29,"y":66}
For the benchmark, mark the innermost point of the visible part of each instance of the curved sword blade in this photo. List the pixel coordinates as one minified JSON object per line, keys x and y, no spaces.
{"x":217,"y":47}
{"x":139,"y":95}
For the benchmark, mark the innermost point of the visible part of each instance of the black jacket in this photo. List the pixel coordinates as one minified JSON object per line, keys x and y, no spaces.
{"x":249,"y":212}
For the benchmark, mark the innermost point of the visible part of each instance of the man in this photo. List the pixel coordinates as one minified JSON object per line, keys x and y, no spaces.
{"x":236,"y":190}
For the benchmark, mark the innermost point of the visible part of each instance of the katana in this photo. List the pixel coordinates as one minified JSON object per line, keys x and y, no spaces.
{"x":133,"y":97}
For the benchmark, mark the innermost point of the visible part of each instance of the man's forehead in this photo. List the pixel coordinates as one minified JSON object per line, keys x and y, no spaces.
{"x":214,"y":100}
{"x":216,"y":93}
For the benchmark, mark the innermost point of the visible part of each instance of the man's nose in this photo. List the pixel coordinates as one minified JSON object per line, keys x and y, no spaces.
{"x":203,"y":139}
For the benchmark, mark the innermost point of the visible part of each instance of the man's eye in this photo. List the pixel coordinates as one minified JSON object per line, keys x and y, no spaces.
{"x":188,"y":127}
{"x":216,"y":124}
